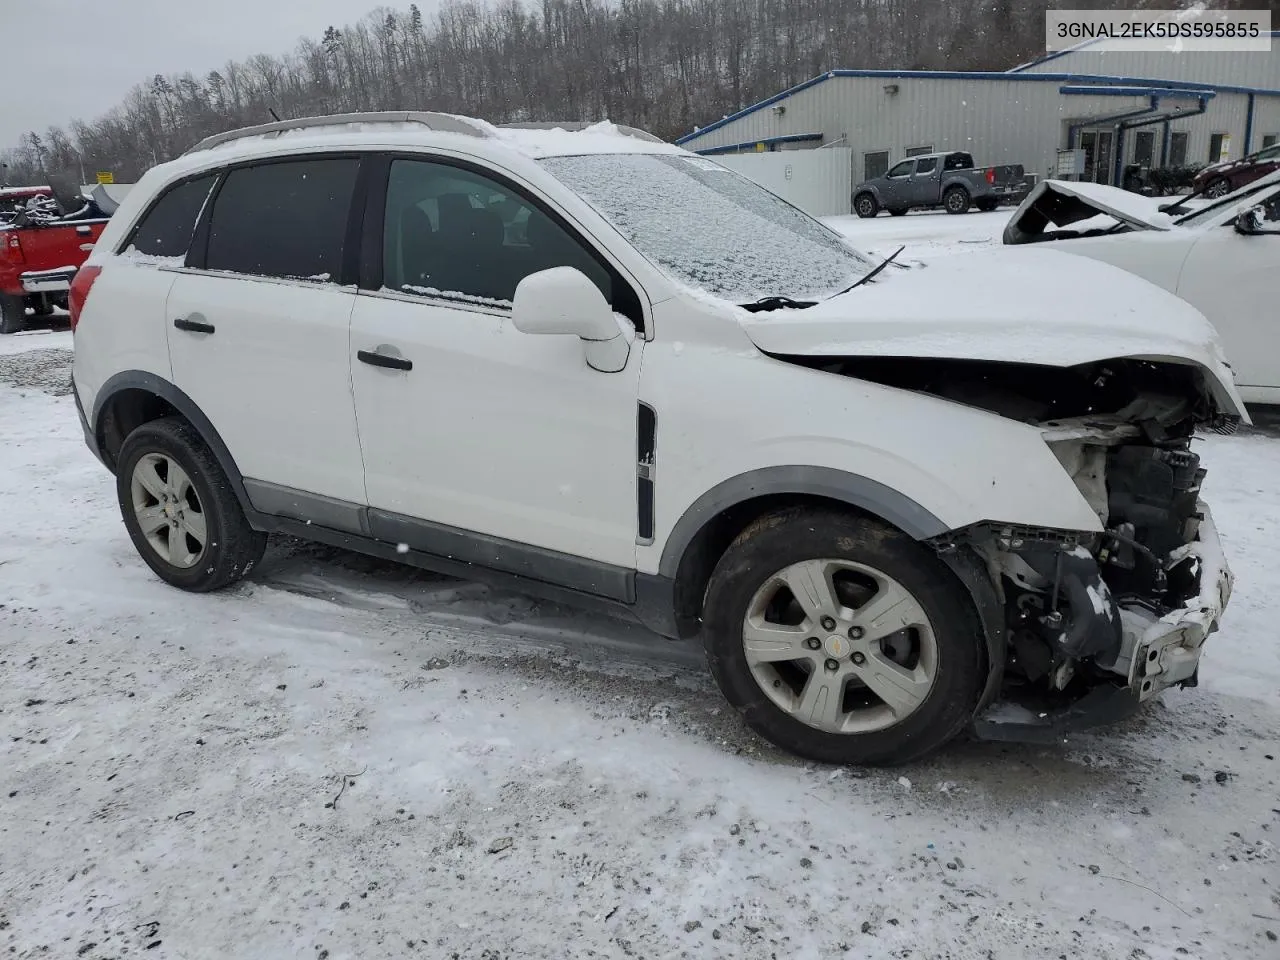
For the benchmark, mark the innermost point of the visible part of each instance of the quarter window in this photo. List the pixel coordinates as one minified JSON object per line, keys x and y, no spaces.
{"x":458,"y":235}
{"x":285,"y":220}
{"x":166,"y":229}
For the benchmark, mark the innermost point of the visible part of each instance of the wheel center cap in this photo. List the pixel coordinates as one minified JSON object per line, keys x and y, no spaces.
{"x":837,"y":646}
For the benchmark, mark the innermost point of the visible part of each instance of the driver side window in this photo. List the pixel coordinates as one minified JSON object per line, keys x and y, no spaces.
{"x":455,"y":234}
{"x":902,"y":169}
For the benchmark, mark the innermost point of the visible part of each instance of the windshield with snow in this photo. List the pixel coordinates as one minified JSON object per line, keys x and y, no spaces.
{"x":712,"y":229}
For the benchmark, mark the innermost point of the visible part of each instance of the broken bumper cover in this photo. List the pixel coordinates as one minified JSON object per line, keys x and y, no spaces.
{"x":1157,"y":652}
{"x":1160,"y":652}
{"x":48,"y":281}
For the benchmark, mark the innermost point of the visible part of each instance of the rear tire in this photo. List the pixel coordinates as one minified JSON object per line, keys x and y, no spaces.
{"x":897,"y":211}
{"x":861,"y":564}
{"x":956,"y":200}
{"x":986,"y":206}
{"x":1218,"y":187}
{"x":866,"y":206}
{"x":13,"y":313}
{"x":180,"y":511}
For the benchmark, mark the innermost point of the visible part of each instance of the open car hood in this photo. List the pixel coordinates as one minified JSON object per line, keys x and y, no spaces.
{"x":1026,"y":305}
{"x":1062,"y":203}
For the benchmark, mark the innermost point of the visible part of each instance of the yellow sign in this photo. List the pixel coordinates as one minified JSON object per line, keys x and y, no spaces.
{"x":106,"y":176}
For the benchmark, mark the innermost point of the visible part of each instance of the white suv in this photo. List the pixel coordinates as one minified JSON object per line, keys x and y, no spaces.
{"x":593,"y":366}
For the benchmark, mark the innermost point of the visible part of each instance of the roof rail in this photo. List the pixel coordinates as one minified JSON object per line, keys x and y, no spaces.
{"x":444,"y":122}
{"x":573,"y":126}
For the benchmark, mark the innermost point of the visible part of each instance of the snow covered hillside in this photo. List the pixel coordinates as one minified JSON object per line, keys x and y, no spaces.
{"x":346,"y":759}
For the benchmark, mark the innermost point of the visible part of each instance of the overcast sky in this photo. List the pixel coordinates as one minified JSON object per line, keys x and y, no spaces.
{"x":67,"y":59}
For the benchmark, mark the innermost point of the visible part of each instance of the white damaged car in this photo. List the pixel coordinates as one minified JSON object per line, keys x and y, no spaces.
{"x":1223,"y":258}
{"x":890,"y":503}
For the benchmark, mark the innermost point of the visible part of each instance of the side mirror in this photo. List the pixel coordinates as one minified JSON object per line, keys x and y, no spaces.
{"x":1249,"y":222}
{"x":563,"y":301}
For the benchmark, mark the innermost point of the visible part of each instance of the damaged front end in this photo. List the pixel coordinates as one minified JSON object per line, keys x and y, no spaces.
{"x":1090,"y":624}
{"x":1096,"y":624}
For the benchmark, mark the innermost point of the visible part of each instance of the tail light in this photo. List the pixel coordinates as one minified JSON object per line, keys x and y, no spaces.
{"x":79,"y":293}
{"x":13,"y":247}
{"x":991,"y":176}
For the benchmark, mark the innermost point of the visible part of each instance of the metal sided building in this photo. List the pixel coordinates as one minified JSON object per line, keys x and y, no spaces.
{"x":1121,"y":106}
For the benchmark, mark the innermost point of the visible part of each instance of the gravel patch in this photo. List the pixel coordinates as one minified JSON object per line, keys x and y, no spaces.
{"x":48,"y":370}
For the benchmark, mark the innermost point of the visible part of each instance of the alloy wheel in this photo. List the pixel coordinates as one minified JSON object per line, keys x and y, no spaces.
{"x":840,"y":646}
{"x":168,"y":510}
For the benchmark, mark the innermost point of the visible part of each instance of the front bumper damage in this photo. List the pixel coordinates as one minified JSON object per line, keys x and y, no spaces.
{"x":1157,"y":650}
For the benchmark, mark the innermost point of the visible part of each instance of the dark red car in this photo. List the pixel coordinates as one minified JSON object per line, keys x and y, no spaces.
{"x":1219,"y":179}
{"x":40,"y":250}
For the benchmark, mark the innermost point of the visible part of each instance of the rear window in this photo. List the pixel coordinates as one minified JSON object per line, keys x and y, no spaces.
{"x":166,"y":229}
{"x":285,"y":220}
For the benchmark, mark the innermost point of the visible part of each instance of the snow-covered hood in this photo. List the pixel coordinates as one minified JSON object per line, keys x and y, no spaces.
{"x":1022,"y":305}
{"x":1063,"y":202}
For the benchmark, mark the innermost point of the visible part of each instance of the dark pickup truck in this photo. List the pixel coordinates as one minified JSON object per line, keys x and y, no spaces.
{"x":948,"y":180}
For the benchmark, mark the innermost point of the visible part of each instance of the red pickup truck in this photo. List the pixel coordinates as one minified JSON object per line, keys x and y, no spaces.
{"x":40,"y":250}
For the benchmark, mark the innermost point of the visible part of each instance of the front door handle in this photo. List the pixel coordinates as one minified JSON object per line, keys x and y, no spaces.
{"x":383,"y":360}
{"x":193,"y":325}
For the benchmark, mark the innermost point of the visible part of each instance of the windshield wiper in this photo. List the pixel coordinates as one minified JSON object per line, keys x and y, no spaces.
{"x":765,"y":304}
{"x":1178,"y":205}
{"x":872,"y":273}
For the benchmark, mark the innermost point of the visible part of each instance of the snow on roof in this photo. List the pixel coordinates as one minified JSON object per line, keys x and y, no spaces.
{"x":398,"y":130}
{"x":602,"y":137}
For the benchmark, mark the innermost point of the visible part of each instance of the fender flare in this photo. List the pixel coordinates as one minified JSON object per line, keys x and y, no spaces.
{"x":850,"y":488}
{"x":141,"y":380}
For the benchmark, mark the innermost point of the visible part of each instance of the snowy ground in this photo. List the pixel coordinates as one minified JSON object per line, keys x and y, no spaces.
{"x":522,"y":781}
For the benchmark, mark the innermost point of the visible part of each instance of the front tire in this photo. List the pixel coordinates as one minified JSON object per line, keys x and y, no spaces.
{"x":956,"y":200}
{"x":13,"y":313}
{"x":180,"y":511}
{"x":841,"y":639}
{"x":865,"y":206}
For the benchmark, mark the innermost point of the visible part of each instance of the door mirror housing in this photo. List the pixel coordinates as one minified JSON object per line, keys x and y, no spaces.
{"x":563,"y":301}
{"x":1249,"y":222}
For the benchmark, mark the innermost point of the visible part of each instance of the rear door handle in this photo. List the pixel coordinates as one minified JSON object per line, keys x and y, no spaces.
{"x":376,"y":359}
{"x":193,"y":325}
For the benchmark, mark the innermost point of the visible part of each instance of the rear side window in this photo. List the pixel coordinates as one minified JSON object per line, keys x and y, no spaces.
{"x":958,"y":161}
{"x":285,"y":220}
{"x":928,"y":165}
{"x":166,"y":229}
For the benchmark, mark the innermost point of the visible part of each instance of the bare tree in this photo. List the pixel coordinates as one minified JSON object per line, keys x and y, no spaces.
{"x":666,"y":65}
